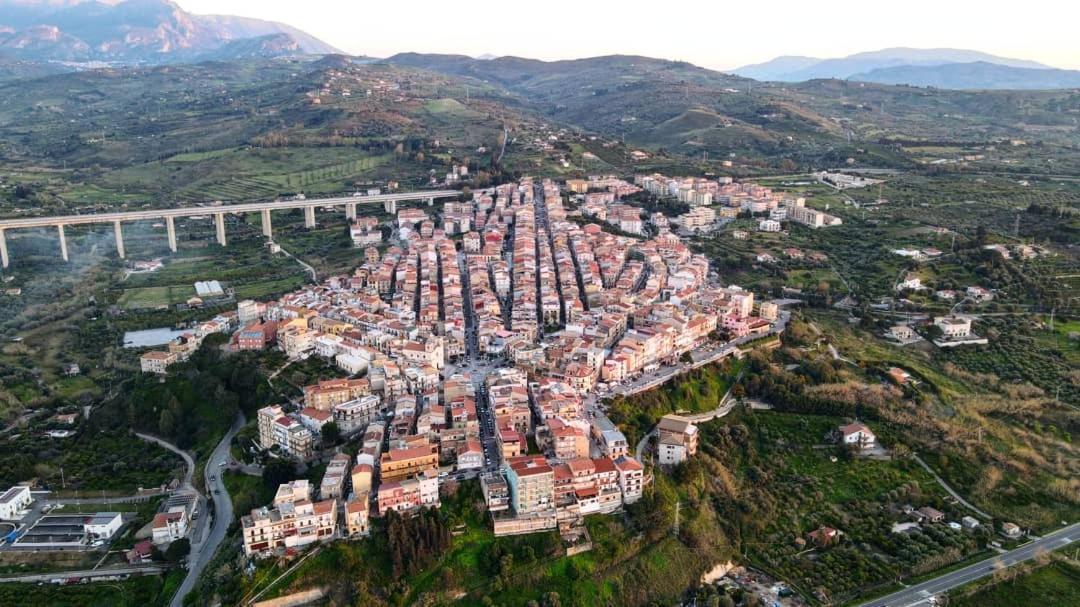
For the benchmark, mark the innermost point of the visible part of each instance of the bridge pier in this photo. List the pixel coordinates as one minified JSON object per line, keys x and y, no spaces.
{"x":309,"y":217}
{"x":4,"y":261}
{"x":170,"y":227}
{"x":350,"y":211}
{"x":430,"y":201}
{"x":119,"y":239}
{"x":63,"y":241}
{"x":390,"y":206}
{"x":219,"y":219}
{"x":266,"y":227}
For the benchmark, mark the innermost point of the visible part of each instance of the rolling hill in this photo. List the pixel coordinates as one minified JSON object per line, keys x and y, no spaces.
{"x":977,"y":75}
{"x":800,"y":69}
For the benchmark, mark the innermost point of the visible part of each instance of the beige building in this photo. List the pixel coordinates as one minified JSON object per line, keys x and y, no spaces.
{"x":531,"y":482}
{"x":287,"y":434}
{"x":292,"y":521}
{"x":402,"y":463}
{"x":325,"y":394}
{"x":156,"y":362}
{"x":356,"y":515}
{"x":677,"y":439}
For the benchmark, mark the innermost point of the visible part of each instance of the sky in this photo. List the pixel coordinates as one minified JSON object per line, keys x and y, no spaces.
{"x":717,"y":35}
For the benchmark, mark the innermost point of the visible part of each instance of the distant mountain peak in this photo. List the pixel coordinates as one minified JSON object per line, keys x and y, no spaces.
{"x":138,"y":31}
{"x":797,"y":69}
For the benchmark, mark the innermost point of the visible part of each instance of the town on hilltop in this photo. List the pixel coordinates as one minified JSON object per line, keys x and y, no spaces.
{"x":481,"y":341}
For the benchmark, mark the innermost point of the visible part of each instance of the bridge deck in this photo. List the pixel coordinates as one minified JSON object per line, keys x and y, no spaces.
{"x":249,"y":207}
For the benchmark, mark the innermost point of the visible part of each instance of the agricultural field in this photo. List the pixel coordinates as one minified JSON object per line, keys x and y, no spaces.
{"x":116,"y":461}
{"x":1053,"y":583}
{"x":236,"y":174}
{"x":1004,"y":441}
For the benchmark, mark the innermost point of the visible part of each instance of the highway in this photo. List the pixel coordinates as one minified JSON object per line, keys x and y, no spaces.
{"x":920,"y":594}
{"x":204,"y":546}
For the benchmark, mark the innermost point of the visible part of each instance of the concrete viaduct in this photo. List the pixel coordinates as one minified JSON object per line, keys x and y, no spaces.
{"x":389,"y":202}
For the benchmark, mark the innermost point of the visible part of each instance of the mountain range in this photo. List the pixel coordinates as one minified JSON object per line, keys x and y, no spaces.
{"x":942,"y":68}
{"x":139,"y":31}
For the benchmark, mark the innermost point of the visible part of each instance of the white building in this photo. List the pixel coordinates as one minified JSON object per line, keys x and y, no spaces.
{"x":103,"y":525}
{"x":954,"y":327}
{"x":671,"y":451}
{"x":14,"y":503}
{"x":769,"y":225}
{"x":857,"y":434}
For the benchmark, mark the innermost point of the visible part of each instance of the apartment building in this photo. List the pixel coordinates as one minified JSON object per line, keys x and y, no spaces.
{"x":156,"y":362}
{"x":292,"y":521}
{"x":408,"y":494}
{"x":357,"y":515}
{"x":276,"y":429}
{"x":402,"y":463}
{"x":335,"y":478}
{"x":531,"y":482}
{"x":326,"y":394}
{"x":677,"y":439}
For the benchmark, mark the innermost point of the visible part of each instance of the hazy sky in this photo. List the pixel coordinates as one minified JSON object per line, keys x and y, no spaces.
{"x":719,"y":35}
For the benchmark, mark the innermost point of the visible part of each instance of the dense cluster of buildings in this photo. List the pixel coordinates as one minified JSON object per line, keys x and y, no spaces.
{"x":506,"y":277}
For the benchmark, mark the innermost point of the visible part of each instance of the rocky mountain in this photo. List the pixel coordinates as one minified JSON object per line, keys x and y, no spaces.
{"x":261,"y":47}
{"x":976,"y":75}
{"x":798,"y":69}
{"x":135,"y":31}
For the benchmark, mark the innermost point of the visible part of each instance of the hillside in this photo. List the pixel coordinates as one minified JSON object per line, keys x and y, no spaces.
{"x":976,"y":75}
{"x":642,"y":99}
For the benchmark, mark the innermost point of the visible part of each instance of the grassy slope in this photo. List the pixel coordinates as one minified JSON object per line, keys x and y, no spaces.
{"x":1057,"y":583}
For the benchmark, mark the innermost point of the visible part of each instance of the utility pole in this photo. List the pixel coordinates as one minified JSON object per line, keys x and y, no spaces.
{"x":678,"y":506}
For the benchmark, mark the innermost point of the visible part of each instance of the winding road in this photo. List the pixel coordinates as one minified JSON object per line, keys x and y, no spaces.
{"x":725,"y":407}
{"x":204,"y":545}
{"x":177,"y":450}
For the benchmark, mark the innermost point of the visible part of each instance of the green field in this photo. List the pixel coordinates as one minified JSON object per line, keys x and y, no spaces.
{"x":1057,"y":583}
{"x":154,"y":297}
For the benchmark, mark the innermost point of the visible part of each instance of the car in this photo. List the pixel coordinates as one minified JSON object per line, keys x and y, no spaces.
{"x":213,"y":478}
{"x":217,"y":491}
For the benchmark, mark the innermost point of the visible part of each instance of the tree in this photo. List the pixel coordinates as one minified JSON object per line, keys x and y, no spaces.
{"x":934,"y":332}
{"x":277,"y":472}
{"x":178,"y":550}
{"x":331,"y":434}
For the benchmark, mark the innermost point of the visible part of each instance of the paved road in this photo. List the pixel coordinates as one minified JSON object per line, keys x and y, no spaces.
{"x":204,"y":546}
{"x":177,"y":450}
{"x":946,"y":486}
{"x":85,"y":573}
{"x":920,"y":594}
{"x":725,"y":407}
